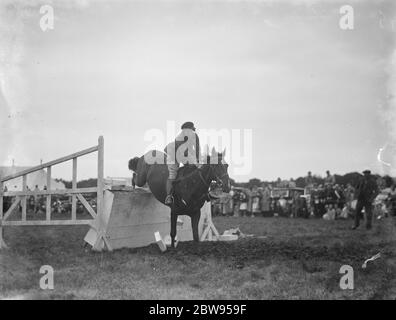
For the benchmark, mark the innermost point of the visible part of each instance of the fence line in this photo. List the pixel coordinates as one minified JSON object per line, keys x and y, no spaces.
{"x":76,"y":193}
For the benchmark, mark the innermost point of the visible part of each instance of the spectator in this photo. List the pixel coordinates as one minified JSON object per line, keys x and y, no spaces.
{"x":392,"y":200}
{"x":255,"y":201}
{"x":36,"y":200}
{"x":282,"y":206}
{"x":309,"y":181}
{"x":243,"y":204}
{"x":344,"y":212}
{"x":330,"y":213}
{"x":231,"y":201}
{"x":226,"y":205}
{"x":366,"y":192}
{"x":349,"y":193}
{"x":249,"y":202}
{"x":58,"y":206}
{"x":330,"y":195}
{"x":216,"y":207}
{"x":340,"y":199}
{"x":6,"y":200}
{"x":236,"y":203}
{"x":321,"y":210}
{"x":295,"y":205}
{"x":265,"y":200}
{"x":330,"y":179}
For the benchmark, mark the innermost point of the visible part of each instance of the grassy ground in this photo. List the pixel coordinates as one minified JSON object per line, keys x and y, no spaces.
{"x":286,"y":259}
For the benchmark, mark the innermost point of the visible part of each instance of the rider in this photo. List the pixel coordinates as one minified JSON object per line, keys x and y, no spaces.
{"x":184,"y":149}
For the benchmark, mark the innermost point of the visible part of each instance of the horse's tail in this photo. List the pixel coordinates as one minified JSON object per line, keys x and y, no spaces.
{"x":132,"y":164}
{"x":139,"y":168}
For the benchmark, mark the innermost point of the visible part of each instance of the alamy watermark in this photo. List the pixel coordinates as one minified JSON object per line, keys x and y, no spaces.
{"x":47,"y":280}
{"x":47,"y":18}
{"x":235,"y":145}
{"x":347,"y":280}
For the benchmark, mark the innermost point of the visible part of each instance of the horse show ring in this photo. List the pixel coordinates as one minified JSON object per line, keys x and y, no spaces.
{"x":286,"y":258}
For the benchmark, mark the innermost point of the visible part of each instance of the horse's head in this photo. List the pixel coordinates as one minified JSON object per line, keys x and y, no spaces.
{"x":219,"y":169}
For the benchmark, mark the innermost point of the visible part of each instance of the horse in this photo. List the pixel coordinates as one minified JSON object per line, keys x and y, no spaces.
{"x":190,"y":189}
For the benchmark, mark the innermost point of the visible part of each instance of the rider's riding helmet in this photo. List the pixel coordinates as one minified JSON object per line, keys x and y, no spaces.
{"x":188,"y":125}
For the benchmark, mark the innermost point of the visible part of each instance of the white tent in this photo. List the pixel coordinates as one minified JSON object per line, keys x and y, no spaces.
{"x":38,"y":178}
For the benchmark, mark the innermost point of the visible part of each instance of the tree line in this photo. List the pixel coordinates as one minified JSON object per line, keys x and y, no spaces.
{"x":351,"y":177}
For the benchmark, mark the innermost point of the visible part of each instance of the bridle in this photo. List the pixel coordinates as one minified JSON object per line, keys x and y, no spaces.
{"x":216,"y":178}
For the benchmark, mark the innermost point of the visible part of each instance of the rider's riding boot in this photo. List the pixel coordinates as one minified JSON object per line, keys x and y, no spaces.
{"x":169,"y":197}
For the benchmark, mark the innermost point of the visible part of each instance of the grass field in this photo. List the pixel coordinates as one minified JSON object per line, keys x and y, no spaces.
{"x":286,"y":259}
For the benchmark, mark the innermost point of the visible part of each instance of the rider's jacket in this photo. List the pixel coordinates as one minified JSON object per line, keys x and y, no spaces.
{"x":185,"y":148}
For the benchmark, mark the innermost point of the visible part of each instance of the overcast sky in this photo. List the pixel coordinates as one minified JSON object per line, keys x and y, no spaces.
{"x":315,"y":97}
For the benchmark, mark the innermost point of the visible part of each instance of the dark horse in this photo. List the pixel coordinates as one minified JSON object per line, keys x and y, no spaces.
{"x":191,"y":188}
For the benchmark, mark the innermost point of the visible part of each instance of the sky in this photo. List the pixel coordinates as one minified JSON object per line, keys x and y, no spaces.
{"x":314,"y":97}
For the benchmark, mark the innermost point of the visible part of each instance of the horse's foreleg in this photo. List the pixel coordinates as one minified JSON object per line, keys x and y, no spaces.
{"x":194,"y":224}
{"x":173,"y":227}
{"x":134,"y":180}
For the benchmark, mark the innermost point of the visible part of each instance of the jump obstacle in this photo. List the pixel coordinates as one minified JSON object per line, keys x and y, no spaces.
{"x":123,"y":218}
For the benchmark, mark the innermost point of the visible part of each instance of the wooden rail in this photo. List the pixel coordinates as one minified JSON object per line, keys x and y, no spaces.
{"x":76,"y":193}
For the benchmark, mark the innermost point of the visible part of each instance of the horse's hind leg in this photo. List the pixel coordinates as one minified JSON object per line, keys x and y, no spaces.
{"x":195,"y":223}
{"x":173,"y":227}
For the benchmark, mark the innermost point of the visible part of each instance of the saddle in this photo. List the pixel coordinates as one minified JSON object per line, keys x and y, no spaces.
{"x":183,"y":172}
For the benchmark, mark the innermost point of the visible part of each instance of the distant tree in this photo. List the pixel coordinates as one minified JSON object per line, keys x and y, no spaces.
{"x":352,"y":178}
{"x":318,"y":179}
{"x":254,"y":183}
{"x":87,"y":183}
{"x":300,"y":182}
{"x":388,"y":181}
{"x":339,"y":179}
{"x":80,"y":184}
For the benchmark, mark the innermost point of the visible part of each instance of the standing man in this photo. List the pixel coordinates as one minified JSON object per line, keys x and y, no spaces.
{"x":36,"y":200}
{"x":309,"y":183}
{"x":265,"y":200}
{"x":366,"y":192}
{"x":330,"y":179}
{"x":184,"y":149}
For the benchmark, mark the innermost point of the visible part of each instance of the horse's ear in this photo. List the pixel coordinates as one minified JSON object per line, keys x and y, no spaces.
{"x":224,"y":152}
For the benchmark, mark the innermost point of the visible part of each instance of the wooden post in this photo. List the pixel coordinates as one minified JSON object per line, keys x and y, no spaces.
{"x":24,"y":177}
{"x":100,"y":196}
{"x":48,"y":209}
{"x":2,"y":243}
{"x":209,"y":231}
{"x":100,"y":175}
{"x":74,"y":186}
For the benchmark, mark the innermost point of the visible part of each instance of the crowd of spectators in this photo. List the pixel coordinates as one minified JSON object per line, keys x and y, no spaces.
{"x":327,"y":199}
{"x":320,"y":198}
